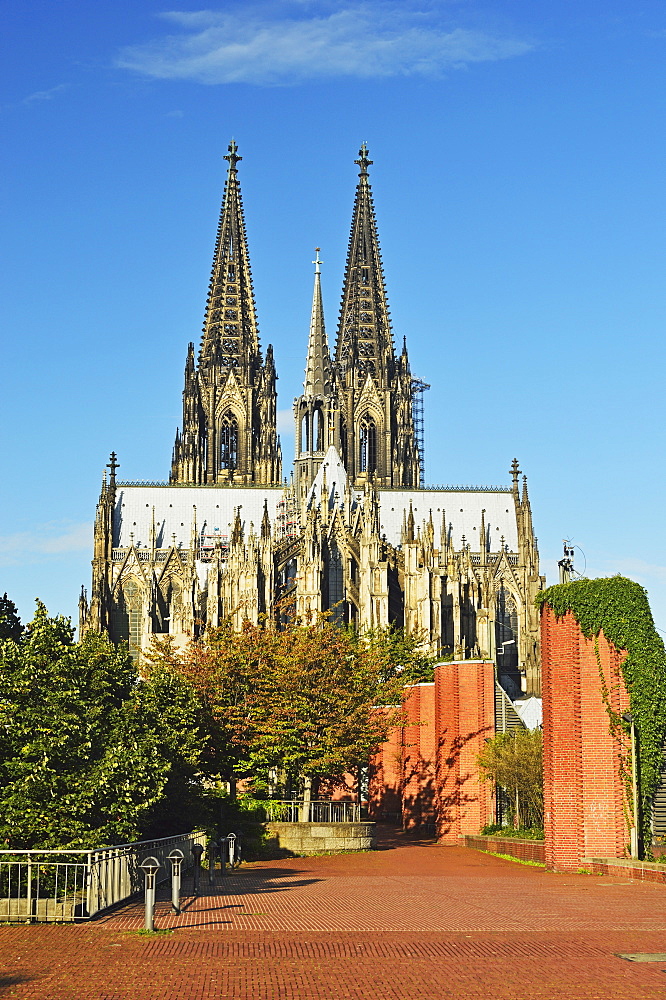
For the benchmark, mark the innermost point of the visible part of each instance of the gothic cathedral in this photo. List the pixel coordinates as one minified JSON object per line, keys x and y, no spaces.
{"x":354,"y":529}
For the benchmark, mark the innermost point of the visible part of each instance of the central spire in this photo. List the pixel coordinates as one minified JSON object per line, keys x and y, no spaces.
{"x":318,"y":373}
{"x":364,"y":338}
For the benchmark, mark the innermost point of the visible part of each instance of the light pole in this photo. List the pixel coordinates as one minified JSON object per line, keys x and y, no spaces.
{"x":633,"y":833}
{"x":176,"y":859}
{"x":150,"y":866}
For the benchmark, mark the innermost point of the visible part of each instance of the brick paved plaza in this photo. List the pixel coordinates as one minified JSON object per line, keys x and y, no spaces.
{"x":413,"y":920}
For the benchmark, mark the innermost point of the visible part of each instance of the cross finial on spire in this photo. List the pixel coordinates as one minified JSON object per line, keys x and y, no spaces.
{"x":232,"y":156}
{"x":317,"y":263}
{"x":515,"y":471}
{"x":113,"y":465}
{"x":363,"y":162}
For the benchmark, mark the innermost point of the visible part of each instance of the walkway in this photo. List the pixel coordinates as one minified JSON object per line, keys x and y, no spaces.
{"x":412,"y":922}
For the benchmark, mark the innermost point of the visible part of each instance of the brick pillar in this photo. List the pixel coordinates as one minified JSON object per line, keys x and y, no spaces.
{"x":583,"y":792}
{"x":464,"y":720}
{"x":385,"y":779}
{"x":418,"y":757}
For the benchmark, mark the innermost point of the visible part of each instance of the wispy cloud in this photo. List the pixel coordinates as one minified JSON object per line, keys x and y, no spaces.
{"x":359,"y":38}
{"x":45,"y":95}
{"x":44,"y":540}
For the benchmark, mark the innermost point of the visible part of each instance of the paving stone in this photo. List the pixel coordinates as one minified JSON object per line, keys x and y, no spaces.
{"x":413,"y":921}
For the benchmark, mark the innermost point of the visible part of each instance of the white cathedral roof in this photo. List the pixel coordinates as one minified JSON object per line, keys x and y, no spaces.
{"x":462,"y":509}
{"x":175,"y":507}
{"x":216,"y":507}
{"x":335,"y":474}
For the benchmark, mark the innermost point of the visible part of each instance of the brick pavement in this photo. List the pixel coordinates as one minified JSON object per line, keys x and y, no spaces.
{"x":413,"y":921}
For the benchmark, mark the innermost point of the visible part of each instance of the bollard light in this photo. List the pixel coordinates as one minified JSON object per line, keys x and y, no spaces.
{"x":197,"y":852}
{"x":150,"y":867}
{"x":176,"y":859}
{"x":231,"y":840}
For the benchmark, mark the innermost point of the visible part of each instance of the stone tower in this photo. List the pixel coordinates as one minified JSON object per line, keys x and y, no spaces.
{"x":316,"y":411}
{"x":377,"y":438}
{"x":229,"y":400}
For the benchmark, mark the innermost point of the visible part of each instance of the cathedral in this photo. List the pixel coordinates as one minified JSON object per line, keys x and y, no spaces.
{"x":353,"y":529}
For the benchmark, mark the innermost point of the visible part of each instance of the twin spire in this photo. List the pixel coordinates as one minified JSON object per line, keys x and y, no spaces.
{"x":230,"y":331}
{"x":359,"y":401}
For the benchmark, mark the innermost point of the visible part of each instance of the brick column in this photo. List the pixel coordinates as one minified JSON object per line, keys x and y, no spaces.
{"x":418,"y":757}
{"x":385,"y":779}
{"x":464,"y":720}
{"x":583,"y":792}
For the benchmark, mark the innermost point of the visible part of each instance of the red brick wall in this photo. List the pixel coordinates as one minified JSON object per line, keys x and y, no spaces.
{"x":385,"y":780}
{"x":418,"y":757}
{"x":464,"y":720}
{"x":583,"y":793}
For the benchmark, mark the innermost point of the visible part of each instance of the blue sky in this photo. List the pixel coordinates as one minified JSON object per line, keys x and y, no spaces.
{"x":519,"y":152}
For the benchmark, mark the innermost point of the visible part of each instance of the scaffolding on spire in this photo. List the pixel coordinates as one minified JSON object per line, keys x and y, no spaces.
{"x":418,"y":388}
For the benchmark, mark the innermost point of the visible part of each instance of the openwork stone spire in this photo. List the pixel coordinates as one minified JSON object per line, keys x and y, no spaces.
{"x":364,"y":333}
{"x":230,"y":333}
{"x":229,"y":401}
{"x":375,"y":426}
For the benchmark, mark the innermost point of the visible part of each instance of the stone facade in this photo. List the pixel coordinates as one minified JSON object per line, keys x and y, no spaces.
{"x":354,"y":530}
{"x":302,"y":839}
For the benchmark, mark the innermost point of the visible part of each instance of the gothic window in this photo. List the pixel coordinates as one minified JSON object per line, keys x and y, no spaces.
{"x":231,"y":301}
{"x":335,"y":582}
{"x":126,"y":616}
{"x":367,"y":445}
{"x":317,"y":431}
{"x":343,"y":442}
{"x":365,"y":276}
{"x":506,"y":641}
{"x":231,"y":272}
{"x":229,"y":442}
{"x":305,"y":433}
{"x":230,"y":314}
{"x":168,"y":607}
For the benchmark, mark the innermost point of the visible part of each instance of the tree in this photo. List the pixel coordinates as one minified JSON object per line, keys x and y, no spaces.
{"x":10,"y":623}
{"x":300,"y":702}
{"x":88,"y":751}
{"x":515,"y":762}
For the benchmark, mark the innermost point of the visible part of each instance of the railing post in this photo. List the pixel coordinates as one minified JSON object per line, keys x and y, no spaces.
{"x":28,"y":890}
{"x":212,"y":850}
{"x":150,"y":866}
{"x":223,"y":856}
{"x":176,"y":859}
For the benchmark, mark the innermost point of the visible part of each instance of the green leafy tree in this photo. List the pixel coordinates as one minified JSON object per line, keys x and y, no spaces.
{"x":300,"y":702}
{"x":88,"y":751}
{"x":10,"y":623}
{"x":514,"y":761}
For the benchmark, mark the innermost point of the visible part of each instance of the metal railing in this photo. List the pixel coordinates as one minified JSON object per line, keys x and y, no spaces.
{"x":316,"y":811}
{"x":67,"y":885}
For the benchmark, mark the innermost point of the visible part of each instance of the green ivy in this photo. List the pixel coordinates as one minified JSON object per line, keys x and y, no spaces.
{"x":619,"y":608}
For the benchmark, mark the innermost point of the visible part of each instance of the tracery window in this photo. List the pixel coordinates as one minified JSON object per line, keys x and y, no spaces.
{"x":506,"y":641}
{"x":305,"y":433}
{"x":367,"y":445}
{"x":317,"y":431}
{"x":126,"y":616}
{"x":229,"y":442}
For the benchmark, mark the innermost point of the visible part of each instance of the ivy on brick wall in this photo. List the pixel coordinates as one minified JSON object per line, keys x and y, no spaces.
{"x":620,"y":608}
